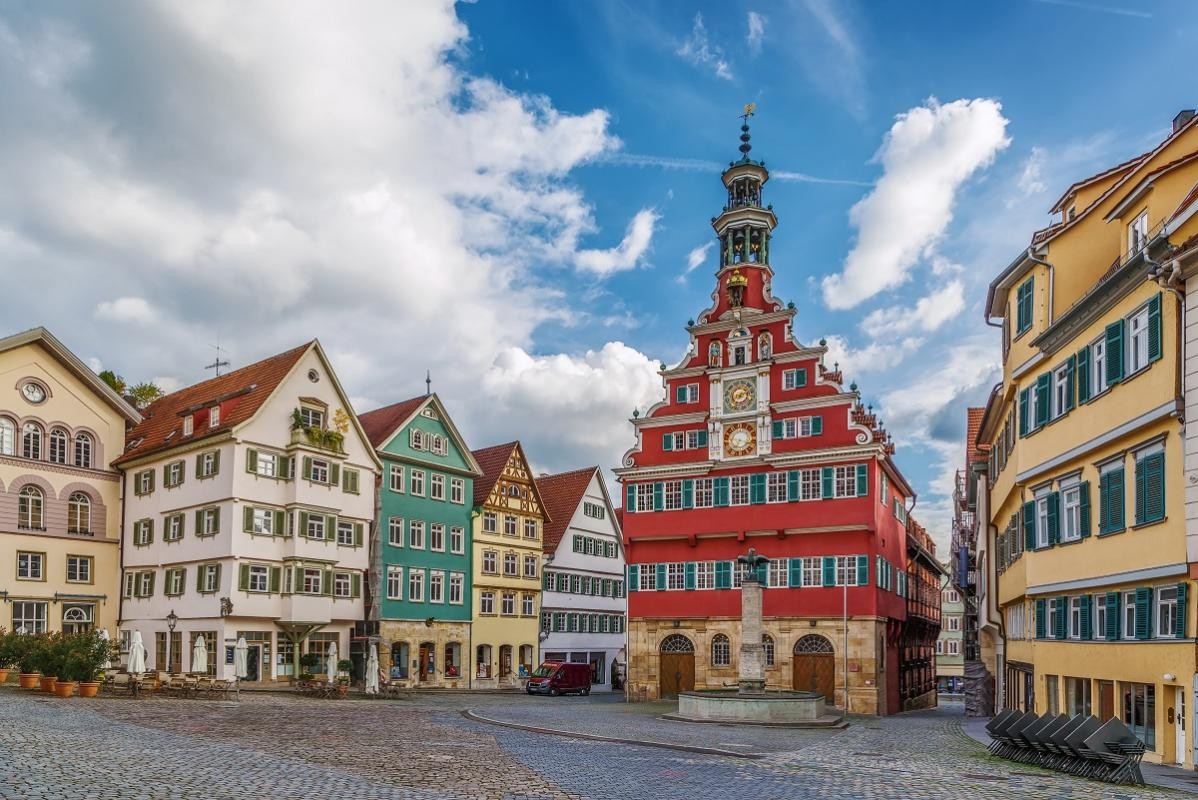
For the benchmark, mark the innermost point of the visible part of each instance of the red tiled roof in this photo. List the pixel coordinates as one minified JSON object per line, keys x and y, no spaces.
{"x":491,"y":460}
{"x":973,"y":450}
{"x":1190,"y":198}
{"x":561,"y":495}
{"x":1131,"y":162}
{"x":240,"y":393}
{"x":382,"y":422}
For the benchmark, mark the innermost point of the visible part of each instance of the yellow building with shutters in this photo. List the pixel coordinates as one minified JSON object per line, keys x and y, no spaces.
{"x":1086,"y":505}
{"x":508,"y":528}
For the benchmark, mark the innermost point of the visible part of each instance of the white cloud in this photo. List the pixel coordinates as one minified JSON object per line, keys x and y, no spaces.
{"x":942,"y":266}
{"x":928,"y":315}
{"x":1031,"y":178}
{"x":695,"y":259}
{"x":929,"y":152}
{"x":874,"y":357}
{"x":699,"y":51}
{"x":628,"y":253}
{"x":756,"y":32}
{"x":126,"y":309}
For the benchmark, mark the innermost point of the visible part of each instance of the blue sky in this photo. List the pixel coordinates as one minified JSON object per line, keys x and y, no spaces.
{"x":510,"y":193}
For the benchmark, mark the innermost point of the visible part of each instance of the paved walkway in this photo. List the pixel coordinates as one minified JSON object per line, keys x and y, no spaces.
{"x":272,"y":746}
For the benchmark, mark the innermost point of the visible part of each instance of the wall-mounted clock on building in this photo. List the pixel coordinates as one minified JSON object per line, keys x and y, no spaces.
{"x":740,"y":440}
{"x":740,"y":395}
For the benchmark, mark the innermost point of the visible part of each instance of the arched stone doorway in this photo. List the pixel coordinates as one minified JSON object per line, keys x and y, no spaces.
{"x":815,"y":666}
{"x":677,"y":665}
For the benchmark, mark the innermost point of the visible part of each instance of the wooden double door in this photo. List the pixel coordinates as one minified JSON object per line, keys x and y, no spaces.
{"x":677,"y":673}
{"x":815,"y":672}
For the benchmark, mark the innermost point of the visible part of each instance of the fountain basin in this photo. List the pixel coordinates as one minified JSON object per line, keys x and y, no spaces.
{"x":781,"y":708}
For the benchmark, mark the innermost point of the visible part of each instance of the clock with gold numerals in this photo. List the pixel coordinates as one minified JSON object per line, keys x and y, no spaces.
{"x":740,"y":395}
{"x":740,"y":440}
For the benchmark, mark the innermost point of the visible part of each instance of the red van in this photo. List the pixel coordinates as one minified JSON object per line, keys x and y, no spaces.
{"x":560,"y":677}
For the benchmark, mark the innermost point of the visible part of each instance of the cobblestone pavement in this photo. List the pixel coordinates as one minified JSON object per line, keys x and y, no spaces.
{"x":273,"y":746}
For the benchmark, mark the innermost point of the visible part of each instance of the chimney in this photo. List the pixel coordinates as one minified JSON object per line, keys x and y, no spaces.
{"x":1183,"y":117}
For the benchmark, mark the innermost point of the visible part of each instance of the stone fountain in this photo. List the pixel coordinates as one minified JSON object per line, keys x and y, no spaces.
{"x":750,"y":702}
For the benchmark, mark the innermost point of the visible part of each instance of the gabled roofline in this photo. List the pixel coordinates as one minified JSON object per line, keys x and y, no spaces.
{"x":1106,"y":173}
{"x":1146,"y":183}
{"x":40,"y":335}
{"x":455,"y":434}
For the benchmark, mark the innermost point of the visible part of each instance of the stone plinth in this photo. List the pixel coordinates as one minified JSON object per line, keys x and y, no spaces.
{"x":751,"y":675}
{"x":795,"y":709}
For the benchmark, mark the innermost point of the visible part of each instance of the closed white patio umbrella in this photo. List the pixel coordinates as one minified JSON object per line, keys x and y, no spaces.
{"x":199,"y":655}
{"x":372,"y":670}
{"x":240,"y":657}
{"x":330,"y":666}
{"x":137,"y":655}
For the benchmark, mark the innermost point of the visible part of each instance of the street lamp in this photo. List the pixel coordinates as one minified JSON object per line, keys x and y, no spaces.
{"x":172,"y":619}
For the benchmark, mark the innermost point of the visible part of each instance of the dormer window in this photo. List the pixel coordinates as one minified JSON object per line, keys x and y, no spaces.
{"x":311,"y":417}
{"x":214,"y":416}
{"x":188,"y":425}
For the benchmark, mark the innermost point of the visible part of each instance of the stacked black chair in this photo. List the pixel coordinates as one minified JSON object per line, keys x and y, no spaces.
{"x":1080,"y":745}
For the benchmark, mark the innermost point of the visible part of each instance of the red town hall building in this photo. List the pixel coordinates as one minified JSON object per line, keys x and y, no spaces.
{"x":758,"y":445}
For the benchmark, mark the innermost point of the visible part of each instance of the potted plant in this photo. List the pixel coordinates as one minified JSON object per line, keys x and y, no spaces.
{"x":310,"y":663}
{"x":343,"y":668}
{"x":53,"y":660}
{"x":6,"y":654}
{"x":26,"y":651}
{"x":85,"y":662}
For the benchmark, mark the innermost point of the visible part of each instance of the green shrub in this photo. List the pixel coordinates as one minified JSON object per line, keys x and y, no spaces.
{"x":85,"y":656}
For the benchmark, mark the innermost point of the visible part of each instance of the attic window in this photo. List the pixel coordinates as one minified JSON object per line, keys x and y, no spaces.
{"x":188,"y":425}
{"x":214,"y":417}
{"x":313,"y":376}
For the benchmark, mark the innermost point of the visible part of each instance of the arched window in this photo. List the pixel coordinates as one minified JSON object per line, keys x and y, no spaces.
{"x":453,"y":660}
{"x":677,"y":643}
{"x":83,"y":450}
{"x":8,"y":436}
{"x":29,"y":508}
{"x":58,"y":445}
{"x":79,"y":513}
{"x":767,"y":644}
{"x":721,"y":651}
{"x":813,"y":643}
{"x":31,"y":441}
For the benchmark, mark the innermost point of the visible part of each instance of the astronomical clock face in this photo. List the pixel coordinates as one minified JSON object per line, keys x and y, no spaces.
{"x":740,"y":395}
{"x":740,"y":440}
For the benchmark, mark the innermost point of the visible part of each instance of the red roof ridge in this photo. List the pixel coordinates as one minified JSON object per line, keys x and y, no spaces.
{"x":561,"y":493}
{"x":1131,"y":162}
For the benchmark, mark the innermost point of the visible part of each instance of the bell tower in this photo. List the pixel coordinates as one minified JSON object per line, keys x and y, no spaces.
{"x":744,"y":228}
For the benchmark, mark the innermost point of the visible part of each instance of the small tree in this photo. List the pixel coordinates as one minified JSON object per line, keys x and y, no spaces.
{"x":114,"y":381}
{"x":145,"y":393}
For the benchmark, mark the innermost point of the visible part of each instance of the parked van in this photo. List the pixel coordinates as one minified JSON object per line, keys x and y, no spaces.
{"x":560,"y":677}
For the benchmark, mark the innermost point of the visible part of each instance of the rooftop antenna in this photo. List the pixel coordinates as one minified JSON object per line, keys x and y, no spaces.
{"x":219,"y":362}
{"x":428,"y":383}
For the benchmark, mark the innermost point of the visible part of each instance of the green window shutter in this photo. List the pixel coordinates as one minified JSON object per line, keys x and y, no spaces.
{"x":1117,"y":500}
{"x":216,"y":522}
{"x":679,"y":394}
{"x":200,"y":578}
{"x":280,"y":527}
{"x":792,"y":485}
{"x":297,"y":581}
{"x":634,"y":578}
{"x":1087,"y":627}
{"x":1043,"y":398}
{"x":243,"y":579}
{"x":276,"y":574}
{"x":1143,"y":613}
{"x":149,"y":531}
{"x":248,"y":515}
{"x":777,"y":429}
{"x":1150,"y":485}
{"x":357,"y":534}
{"x":721,"y":491}
{"x":1054,"y":518}
{"x":667,"y":442}
{"x":165,"y":476}
{"x":1023,"y":305}
{"x":153,"y":578}
{"x":1070,"y":381}
{"x":688,"y":493}
{"x":334,"y":474}
{"x":703,"y":438}
{"x":862,"y":480}
{"x":308,"y":467}
{"x":1154,"y":327}
{"x":795,"y":568}
{"x":757,"y":487}
{"x":1029,"y":526}
{"x":216,"y":463}
{"x":1104,"y":503}
{"x":862,"y":570}
{"x":801,"y":377}
{"x":723,"y":574}
{"x":1041,"y":619}
{"x":355,"y":584}
{"x":251,"y":460}
{"x":661,"y":577}
{"x":1084,"y":508}
{"x":199,"y":521}
{"x":689,"y":571}
{"x":658,"y":496}
{"x":326,"y":583}
{"x":829,"y":566}
{"x":629,"y":499}
{"x":817,"y":425}
{"x":1181,"y":615}
{"x":303,"y":523}
{"x":1112,"y":615}
{"x":827,"y":480}
{"x":198,"y":466}
{"x":287,"y":465}
{"x":1062,"y":618}
{"x":1114,"y":352}
{"x":330,"y":527}
{"x":1082,"y":359}
{"x":1023,"y":411}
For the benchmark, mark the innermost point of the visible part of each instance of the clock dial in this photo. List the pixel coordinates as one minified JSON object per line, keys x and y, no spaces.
{"x":740,"y":440}
{"x":740,"y":395}
{"x":33,"y":392}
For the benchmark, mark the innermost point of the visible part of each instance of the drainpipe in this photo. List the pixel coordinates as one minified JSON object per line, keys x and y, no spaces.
{"x":1169,"y":279}
{"x":1032,"y":257}
{"x":120,"y":537}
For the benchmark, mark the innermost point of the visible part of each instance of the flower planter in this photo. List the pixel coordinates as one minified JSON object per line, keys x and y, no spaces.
{"x":89,"y":688}
{"x":29,"y":680}
{"x":3,"y":675}
{"x":64,"y":688}
{"x":48,"y":683}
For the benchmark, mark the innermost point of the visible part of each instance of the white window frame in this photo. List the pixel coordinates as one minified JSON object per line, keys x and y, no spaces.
{"x":1098,"y":612}
{"x":776,"y":487}
{"x":675,"y":575}
{"x":415,"y":585}
{"x":1137,"y":340}
{"x":813,"y":571}
{"x":397,"y":478}
{"x":264,"y":521}
{"x":1060,"y":391}
{"x":486,"y":603}
{"x":457,"y":582}
{"x":1165,"y":608}
{"x":436,"y":537}
{"x":738,"y":490}
{"x":319,"y":471}
{"x":1137,"y":233}
{"x":844,"y":483}
{"x":1041,"y":501}
{"x":704,"y":493}
{"x":258,"y":580}
{"x":705,"y":575}
{"x":1074,"y":624}
{"x":778,"y":574}
{"x":416,"y":482}
{"x":1071,"y":503}
{"x":672,"y":494}
{"x":810,"y":485}
{"x":1127,"y":607}
{"x":394,"y":582}
{"x":416,"y":534}
{"x":396,"y":534}
{"x":345,"y":533}
{"x":644,"y":497}
{"x":457,"y":491}
{"x":1097,"y":367}
{"x":457,"y":539}
{"x":436,"y":586}
{"x":436,"y":487}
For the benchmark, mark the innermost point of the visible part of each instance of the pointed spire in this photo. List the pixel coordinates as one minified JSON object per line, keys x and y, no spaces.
{"x":428,"y":383}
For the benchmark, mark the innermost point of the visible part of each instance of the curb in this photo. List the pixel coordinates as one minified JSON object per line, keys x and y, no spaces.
{"x":711,"y":751}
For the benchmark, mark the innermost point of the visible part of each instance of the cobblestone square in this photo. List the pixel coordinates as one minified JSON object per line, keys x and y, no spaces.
{"x":277,"y":746}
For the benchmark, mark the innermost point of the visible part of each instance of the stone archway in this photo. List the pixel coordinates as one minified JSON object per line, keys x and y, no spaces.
{"x":676,"y":670}
{"x":815,"y":666}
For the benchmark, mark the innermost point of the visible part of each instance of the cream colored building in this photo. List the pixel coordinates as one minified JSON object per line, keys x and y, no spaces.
{"x":60,"y":429}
